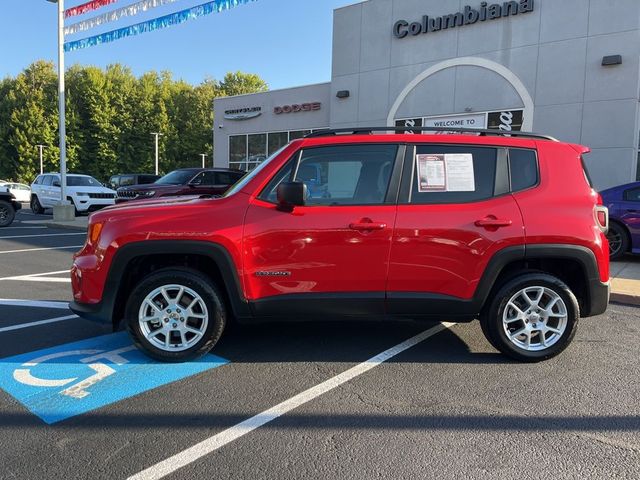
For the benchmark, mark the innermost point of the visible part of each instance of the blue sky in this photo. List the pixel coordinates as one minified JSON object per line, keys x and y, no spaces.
{"x":287,"y":42}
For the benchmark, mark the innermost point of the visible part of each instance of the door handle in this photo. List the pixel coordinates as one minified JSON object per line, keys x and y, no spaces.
{"x":366,"y":224}
{"x":493,"y":222}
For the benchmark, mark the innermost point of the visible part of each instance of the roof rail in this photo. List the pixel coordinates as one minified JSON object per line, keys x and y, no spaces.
{"x":473,"y":131}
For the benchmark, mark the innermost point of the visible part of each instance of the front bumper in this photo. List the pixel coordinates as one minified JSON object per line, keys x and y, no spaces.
{"x":16,"y":205}
{"x":96,"y":312}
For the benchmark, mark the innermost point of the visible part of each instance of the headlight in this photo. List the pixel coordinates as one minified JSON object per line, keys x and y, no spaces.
{"x":150,"y":193}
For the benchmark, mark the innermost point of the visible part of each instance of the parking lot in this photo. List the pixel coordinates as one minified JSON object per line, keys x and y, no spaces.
{"x":300,"y":401}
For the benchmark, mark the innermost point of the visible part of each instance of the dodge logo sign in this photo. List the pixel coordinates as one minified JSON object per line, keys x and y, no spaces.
{"x":297,"y":107}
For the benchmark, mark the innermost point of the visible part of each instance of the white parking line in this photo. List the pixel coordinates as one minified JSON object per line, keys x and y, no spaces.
{"x":14,"y":302}
{"x":43,"y":235}
{"x":39,"y":322}
{"x":38,"y":277}
{"x":25,"y":228}
{"x":40,"y":249}
{"x":221,"y":439}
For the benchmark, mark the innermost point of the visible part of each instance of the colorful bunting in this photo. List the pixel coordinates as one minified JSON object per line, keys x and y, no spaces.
{"x":115,"y":15}
{"x":155,"y":24}
{"x":87,"y":7}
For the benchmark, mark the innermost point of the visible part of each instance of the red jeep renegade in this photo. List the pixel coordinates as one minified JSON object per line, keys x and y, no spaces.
{"x":506,"y":229}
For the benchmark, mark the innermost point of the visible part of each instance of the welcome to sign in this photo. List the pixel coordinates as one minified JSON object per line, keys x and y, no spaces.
{"x":469,"y":16}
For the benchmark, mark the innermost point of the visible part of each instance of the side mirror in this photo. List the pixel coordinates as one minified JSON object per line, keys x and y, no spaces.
{"x":55,"y":183}
{"x":290,"y":195}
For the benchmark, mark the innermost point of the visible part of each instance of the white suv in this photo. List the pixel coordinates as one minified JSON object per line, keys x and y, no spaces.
{"x":85,"y":193}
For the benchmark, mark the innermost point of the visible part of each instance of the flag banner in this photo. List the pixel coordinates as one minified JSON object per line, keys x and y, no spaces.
{"x":115,"y":15}
{"x":87,"y":7}
{"x":155,"y":24}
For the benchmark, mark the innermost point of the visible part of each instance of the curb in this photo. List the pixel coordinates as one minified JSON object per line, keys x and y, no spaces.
{"x":625,"y":298}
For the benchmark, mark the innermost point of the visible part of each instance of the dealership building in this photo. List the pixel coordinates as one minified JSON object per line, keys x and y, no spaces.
{"x":567,"y":68}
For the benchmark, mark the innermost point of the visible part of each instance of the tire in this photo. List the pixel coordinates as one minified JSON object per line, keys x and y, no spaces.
{"x":207,"y":309}
{"x":36,"y":207}
{"x":557,"y":310}
{"x":618,"y":241}
{"x":7,"y":213}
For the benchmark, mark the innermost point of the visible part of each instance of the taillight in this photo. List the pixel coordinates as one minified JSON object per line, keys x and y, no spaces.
{"x":602,"y":216}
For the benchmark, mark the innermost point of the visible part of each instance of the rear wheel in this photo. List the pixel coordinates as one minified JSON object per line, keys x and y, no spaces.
{"x":175,"y":315}
{"x":533,"y":317}
{"x":618,"y":241}
{"x":7,"y":213}
{"x":35,"y":205}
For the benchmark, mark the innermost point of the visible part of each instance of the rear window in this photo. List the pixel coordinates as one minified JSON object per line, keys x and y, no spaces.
{"x":585,"y":170}
{"x":523,"y":166}
{"x":632,"y":195}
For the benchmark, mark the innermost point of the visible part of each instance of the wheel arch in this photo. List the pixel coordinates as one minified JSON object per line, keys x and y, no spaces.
{"x":136,"y":260}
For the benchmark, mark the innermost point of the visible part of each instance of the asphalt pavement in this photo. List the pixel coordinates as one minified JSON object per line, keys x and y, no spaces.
{"x":77,"y":402}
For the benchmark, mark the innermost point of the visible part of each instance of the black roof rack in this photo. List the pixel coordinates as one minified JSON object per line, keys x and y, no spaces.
{"x":473,"y":131}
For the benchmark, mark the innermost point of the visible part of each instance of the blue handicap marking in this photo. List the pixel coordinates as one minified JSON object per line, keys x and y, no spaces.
{"x":61,"y":382}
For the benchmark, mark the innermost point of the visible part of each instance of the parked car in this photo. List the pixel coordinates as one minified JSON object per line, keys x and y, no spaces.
{"x":8,"y":206}
{"x":20,"y":191}
{"x":624,"y":214}
{"x":426,"y":227}
{"x":85,"y":193}
{"x":128,"y":179}
{"x":186,"y":181}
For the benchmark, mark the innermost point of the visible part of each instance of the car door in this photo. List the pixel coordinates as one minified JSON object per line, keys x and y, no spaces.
{"x":629,"y":210}
{"x":454,"y":213}
{"x":44,"y":191}
{"x":331,"y":254}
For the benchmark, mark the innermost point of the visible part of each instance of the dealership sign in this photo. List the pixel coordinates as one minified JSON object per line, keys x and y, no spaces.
{"x":468,"y":16}
{"x":505,"y":120}
{"x":243,"y":113}
{"x":297,"y":107}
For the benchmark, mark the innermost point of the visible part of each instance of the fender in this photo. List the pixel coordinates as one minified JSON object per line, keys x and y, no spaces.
{"x":104,"y":310}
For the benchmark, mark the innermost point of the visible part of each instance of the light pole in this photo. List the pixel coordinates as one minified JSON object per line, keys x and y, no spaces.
{"x":204,"y":159}
{"x":40,"y":147}
{"x":64,"y":210}
{"x":157,"y":135}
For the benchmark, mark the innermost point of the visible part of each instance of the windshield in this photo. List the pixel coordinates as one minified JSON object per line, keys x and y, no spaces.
{"x":240,"y":184}
{"x":73,"y":181}
{"x":177,"y":177}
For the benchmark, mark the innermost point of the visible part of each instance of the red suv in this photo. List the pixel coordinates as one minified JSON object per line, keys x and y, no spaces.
{"x":506,"y":229}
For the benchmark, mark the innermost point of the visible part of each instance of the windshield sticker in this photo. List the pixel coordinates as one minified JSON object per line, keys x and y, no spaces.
{"x":431,"y":173}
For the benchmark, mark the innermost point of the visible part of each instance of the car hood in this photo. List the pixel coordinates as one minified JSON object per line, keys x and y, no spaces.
{"x":153,"y":203}
{"x":91,"y":189}
{"x":148,"y":187}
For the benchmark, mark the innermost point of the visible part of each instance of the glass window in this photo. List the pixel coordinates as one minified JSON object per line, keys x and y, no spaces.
{"x":632,"y":195}
{"x":78,"y":181}
{"x":208,"y":178}
{"x":146,"y":179}
{"x":38,"y":179}
{"x":298,"y":134}
{"x":638,"y":169}
{"x":226,"y":178}
{"x":450,"y":179}
{"x":346,"y":174}
{"x":238,"y":150}
{"x":48,"y":180}
{"x":523,"y":168}
{"x":177,"y":177}
{"x":276,"y":141}
{"x":126,"y":180}
{"x":257,"y":149}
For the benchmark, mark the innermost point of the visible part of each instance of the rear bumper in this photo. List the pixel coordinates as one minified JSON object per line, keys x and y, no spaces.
{"x":599,"y":294}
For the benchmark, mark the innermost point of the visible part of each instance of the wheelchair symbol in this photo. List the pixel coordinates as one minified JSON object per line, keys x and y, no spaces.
{"x":77,"y":390}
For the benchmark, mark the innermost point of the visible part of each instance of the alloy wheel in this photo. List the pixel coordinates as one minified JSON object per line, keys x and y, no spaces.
{"x":173,"y":318}
{"x":535,"y":318}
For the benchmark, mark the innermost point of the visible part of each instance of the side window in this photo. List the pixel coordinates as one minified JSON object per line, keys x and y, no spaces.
{"x":523,"y":165}
{"x":208,"y":178}
{"x":452,"y":174}
{"x":48,"y":179}
{"x":339,"y":175}
{"x":225,"y":178}
{"x":632,"y":195}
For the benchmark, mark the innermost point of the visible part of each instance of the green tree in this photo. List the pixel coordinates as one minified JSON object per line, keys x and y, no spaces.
{"x":239,"y":83}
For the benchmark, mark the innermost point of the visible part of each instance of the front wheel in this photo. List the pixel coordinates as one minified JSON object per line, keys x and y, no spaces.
{"x":7,"y":214}
{"x":36,"y":207}
{"x":533,"y":317}
{"x":175,"y":315}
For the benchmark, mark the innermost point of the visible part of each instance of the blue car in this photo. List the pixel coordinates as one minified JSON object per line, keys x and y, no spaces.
{"x":623,"y":203}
